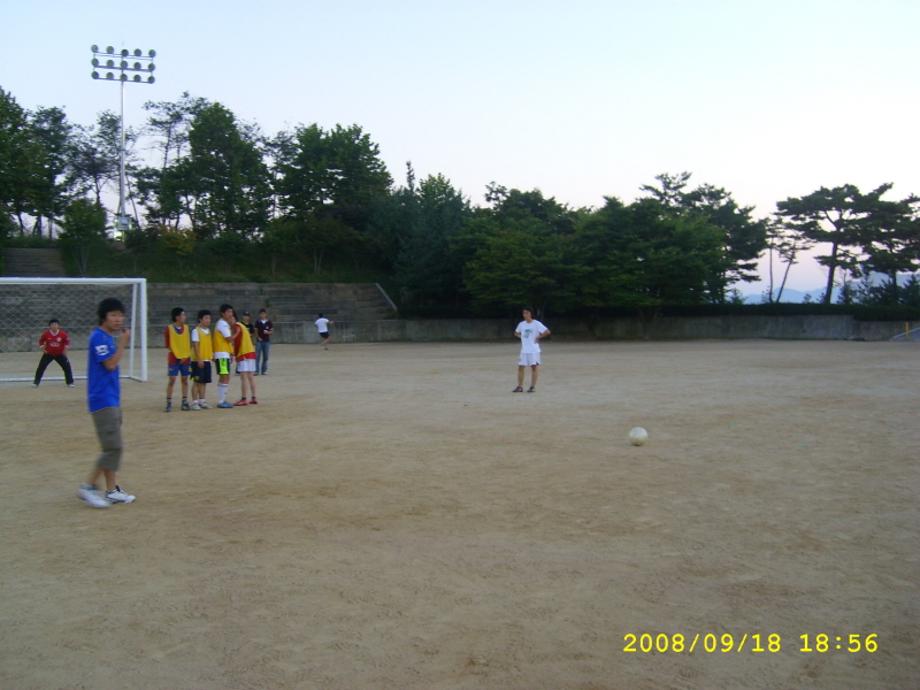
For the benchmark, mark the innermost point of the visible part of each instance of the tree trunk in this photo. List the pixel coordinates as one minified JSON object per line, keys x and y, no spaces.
{"x":832,"y":266}
{"x":770,"y":297}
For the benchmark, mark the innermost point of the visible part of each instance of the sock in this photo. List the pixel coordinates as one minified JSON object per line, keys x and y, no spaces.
{"x":222,"y":392}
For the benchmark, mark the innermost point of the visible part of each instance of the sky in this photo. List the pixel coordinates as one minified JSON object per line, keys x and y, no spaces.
{"x":581,"y":99}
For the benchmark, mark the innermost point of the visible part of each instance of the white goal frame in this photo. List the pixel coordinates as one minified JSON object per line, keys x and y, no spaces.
{"x":136,"y":370}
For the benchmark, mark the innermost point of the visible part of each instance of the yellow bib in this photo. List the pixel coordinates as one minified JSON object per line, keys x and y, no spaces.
{"x":205,"y":345}
{"x":246,"y":346}
{"x":180,"y":344}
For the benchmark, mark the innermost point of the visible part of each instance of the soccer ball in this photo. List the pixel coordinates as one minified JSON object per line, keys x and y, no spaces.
{"x":638,"y":436}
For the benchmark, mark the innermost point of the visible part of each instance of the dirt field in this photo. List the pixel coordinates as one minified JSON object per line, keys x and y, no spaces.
{"x":391,"y":516}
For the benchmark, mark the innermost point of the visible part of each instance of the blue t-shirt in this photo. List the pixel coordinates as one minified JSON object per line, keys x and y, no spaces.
{"x":104,"y":388}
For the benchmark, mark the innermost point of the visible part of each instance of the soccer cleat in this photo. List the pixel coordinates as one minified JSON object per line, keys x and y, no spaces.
{"x":195,"y":406}
{"x":185,"y":406}
{"x":91,"y":496}
{"x":240,"y":403}
{"x":70,"y":385}
{"x":116,"y":495}
{"x":168,"y":406}
{"x":204,"y":404}
{"x":225,"y":405}
{"x":34,"y":385}
{"x":519,"y":389}
{"x":253,"y":401}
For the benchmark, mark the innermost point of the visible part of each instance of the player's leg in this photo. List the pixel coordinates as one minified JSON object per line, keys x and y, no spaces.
{"x":520,"y":379}
{"x":252,"y":390}
{"x":534,"y":375}
{"x":108,"y":430}
{"x":42,"y":365}
{"x":170,"y":385}
{"x":65,"y":365}
{"x":185,"y":405}
{"x":266,"y":350}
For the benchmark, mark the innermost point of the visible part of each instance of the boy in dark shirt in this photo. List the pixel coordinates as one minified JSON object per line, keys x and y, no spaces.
{"x":264,"y":327}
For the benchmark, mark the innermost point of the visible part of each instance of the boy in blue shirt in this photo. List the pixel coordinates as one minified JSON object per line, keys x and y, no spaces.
{"x":104,"y":401}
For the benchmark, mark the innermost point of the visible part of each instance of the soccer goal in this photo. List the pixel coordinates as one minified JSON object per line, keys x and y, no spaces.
{"x":27,"y":304}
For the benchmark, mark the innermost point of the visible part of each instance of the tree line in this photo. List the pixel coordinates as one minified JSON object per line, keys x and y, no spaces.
{"x":210,"y":185}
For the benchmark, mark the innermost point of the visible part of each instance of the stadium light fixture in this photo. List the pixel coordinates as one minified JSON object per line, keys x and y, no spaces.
{"x":124,"y":67}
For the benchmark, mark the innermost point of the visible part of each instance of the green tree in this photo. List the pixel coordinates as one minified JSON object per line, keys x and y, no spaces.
{"x":84,"y":231}
{"x":525,"y":254}
{"x":333,"y":183}
{"x":832,"y":217}
{"x":743,"y":237}
{"x":889,"y":236}
{"x":642,"y":256}
{"x":428,"y":271}
{"x":225,"y":175}
{"x":17,"y":151}
{"x":52,"y":133}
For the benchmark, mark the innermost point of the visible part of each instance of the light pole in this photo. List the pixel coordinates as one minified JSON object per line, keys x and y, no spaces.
{"x":129,"y":66}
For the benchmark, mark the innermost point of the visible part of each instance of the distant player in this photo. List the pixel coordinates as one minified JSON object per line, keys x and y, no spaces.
{"x":322,"y":326}
{"x":103,"y":394}
{"x":531,"y":332}
{"x":202,"y":353}
{"x":245,"y":363}
{"x":223,"y":353}
{"x":178,"y":357}
{"x":54,"y":343}
{"x":264,"y":328}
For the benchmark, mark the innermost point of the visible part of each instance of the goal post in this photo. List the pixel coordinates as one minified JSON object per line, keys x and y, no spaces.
{"x":27,"y":304}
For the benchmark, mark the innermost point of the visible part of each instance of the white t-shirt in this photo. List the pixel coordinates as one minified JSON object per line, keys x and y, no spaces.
{"x":224,"y":329}
{"x":529,"y":332}
{"x":195,"y":337}
{"x":322,"y":324}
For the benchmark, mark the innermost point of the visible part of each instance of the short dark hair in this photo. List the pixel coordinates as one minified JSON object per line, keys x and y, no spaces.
{"x":321,"y":316}
{"x":54,"y":321}
{"x":108,"y":305}
{"x":202,"y":313}
{"x":527,"y":308}
{"x":176,"y":312}
{"x":263,"y":310}
{"x":224,"y":308}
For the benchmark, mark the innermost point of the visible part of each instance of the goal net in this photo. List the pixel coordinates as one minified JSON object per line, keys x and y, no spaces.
{"x":27,"y":304}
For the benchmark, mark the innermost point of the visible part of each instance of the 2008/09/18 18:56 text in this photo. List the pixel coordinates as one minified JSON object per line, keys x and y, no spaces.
{"x":754,"y":643}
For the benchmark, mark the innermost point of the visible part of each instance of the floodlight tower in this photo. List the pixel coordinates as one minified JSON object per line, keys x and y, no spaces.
{"x":127,"y":72}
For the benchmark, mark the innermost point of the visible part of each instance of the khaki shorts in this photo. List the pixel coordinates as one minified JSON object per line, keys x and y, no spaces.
{"x":108,"y":429}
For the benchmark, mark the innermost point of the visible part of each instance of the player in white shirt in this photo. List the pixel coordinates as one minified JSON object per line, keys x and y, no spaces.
{"x":322,"y":326}
{"x":531,"y":332}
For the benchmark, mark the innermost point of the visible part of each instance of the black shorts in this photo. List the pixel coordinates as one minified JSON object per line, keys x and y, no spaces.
{"x":201,"y":374}
{"x":324,"y":335}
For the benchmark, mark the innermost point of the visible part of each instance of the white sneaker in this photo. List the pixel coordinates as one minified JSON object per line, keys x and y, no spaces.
{"x":116,"y":495}
{"x":195,"y":406}
{"x":92,"y":497}
{"x":204,"y":404}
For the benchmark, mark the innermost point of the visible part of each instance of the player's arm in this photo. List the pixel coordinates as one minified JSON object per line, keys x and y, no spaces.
{"x":196,"y":352}
{"x":66,"y":344}
{"x":544,"y":334}
{"x":112,"y":362}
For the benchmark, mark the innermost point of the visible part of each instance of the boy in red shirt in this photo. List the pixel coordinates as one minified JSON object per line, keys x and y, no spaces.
{"x":54,"y":343}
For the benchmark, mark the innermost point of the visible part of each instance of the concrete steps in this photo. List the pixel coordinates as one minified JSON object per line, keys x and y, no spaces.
{"x":33,"y":263}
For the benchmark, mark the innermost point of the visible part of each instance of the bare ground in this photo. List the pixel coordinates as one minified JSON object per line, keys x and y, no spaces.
{"x":391,"y":516}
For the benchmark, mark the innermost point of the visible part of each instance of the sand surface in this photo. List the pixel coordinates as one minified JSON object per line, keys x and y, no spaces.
{"x":391,"y":516}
